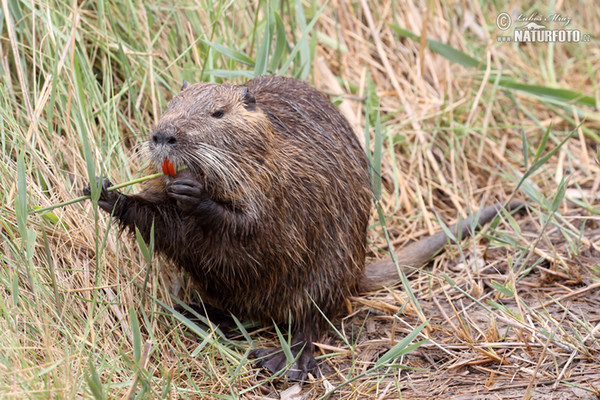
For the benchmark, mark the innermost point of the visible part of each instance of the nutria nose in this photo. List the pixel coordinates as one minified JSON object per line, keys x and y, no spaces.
{"x":164,"y":138}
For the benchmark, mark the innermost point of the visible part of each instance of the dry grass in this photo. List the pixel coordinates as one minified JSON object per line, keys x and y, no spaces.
{"x":512,"y":313}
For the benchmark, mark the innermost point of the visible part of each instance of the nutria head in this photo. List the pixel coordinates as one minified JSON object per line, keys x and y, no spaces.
{"x":219,"y":133}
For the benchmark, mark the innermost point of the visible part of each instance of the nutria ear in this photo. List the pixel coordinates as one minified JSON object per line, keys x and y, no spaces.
{"x":185,"y":85}
{"x":248,"y":98}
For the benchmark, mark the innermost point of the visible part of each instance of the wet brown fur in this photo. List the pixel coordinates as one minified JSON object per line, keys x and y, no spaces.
{"x":292,"y":186}
{"x":296,"y":230}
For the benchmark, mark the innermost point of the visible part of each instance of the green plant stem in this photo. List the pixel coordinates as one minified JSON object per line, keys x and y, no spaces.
{"x":110,"y":189}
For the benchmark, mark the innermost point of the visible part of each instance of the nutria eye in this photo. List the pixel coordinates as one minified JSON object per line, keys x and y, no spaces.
{"x":218,"y":114}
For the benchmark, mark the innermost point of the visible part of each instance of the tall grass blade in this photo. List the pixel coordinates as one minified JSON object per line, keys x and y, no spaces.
{"x":230,"y":53}
{"x":93,"y":380}
{"x":264,"y":49}
{"x":302,"y":43}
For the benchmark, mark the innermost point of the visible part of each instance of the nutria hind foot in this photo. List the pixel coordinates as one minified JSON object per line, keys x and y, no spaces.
{"x":275,"y":360}
{"x":217,"y":318}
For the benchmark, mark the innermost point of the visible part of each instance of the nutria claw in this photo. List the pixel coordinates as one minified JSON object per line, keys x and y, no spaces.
{"x":190,"y":195}
{"x":107,"y":199}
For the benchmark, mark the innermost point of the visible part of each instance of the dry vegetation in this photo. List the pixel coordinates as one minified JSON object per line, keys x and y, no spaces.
{"x":511,"y":313}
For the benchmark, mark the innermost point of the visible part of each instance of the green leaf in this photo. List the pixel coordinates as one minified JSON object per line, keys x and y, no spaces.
{"x":443,"y":49}
{"x":30,"y":244}
{"x":525,"y":145}
{"x":285,"y":346}
{"x":332,"y":42}
{"x":52,"y":218}
{"x":15,"y":288}
{"x":137,"y":336}
{"x":146,"y":249}
{"x":262,"y":56}
{"x":401,"y":347}
{"x":542,"y":145}
{"x":302,"y":42}
{"x":560,"y":194}
{"x":378,"y":139}
{"x":229,"y":53}
{"x":280,"y":42}
{"x":541,"y":160}
{"x":449,"y":280}
{"x":557,"y":94}
{"x":503,"y":308}
{"x":505,"y":290}
{"x":79,"y":86}
{"x":21,"y":203}
{"x":93,"y":380}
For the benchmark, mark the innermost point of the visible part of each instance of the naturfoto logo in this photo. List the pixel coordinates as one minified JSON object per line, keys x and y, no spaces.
{"x":534,"y":28}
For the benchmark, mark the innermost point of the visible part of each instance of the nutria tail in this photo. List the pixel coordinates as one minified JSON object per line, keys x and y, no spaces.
{"x":415,"y":255}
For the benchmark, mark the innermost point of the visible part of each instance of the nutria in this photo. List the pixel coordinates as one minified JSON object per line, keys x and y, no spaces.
{"x":270,"y":217}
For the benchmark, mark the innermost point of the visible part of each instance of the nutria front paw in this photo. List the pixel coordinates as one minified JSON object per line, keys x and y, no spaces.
{"x":107,"y":199}
{"x":191,"y":197}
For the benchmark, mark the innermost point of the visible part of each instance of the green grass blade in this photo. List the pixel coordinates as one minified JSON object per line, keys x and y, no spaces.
{"x":443,"y":49}
{"x":525,"y":149}
{"x":541,"y":160}
{"x":503,"y":288}
{"x":377,"y":143}
{"x":230,"y":53}
{"x":93,"y":380}
{"x":400,"y":347}
{"x":285,"y":346}
{"x":302,"y":42}
{"x":21,"y":203}
{"x":281,"y":43}
{"x":561,"y":95}
{"x":264,"y":49}
{"x":136,"y":335}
